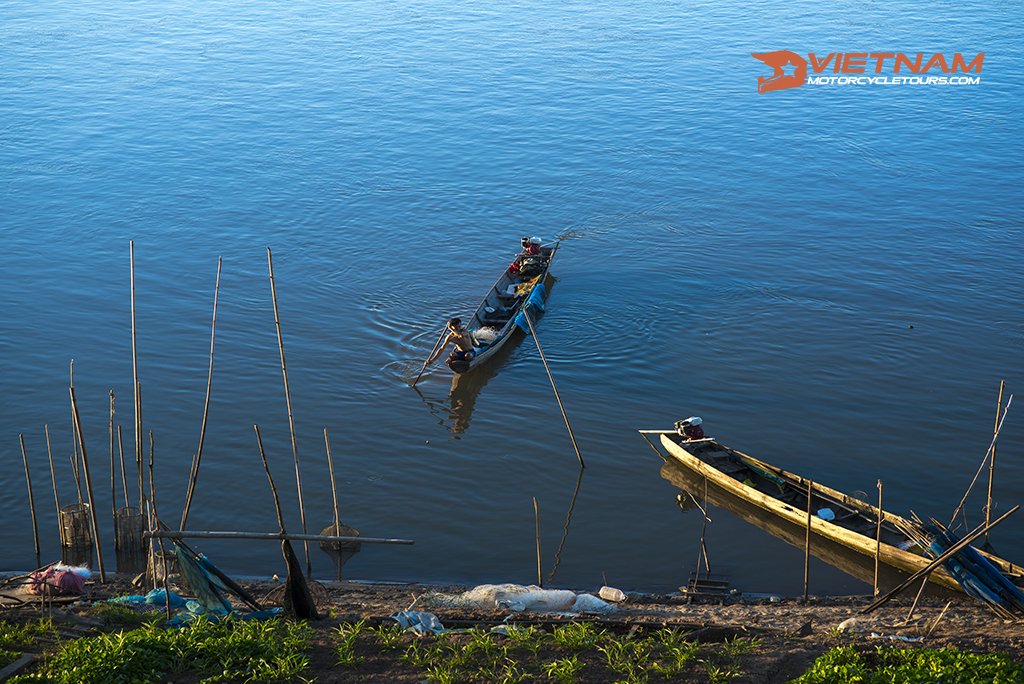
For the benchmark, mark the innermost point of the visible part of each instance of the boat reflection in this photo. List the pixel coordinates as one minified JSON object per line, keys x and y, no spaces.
{"x":838,"y":556}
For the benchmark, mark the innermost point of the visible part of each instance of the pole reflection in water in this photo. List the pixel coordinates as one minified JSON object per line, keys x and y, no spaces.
{"x":565,"y":528}
{"x":856,"y":565}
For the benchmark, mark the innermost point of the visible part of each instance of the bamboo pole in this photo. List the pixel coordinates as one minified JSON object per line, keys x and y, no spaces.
{"x":992,"y":458}
{"x":74,"y":440}
{"x":536,"y":522}
{"x":913,"y":606}
{"x":276,"y":536}
{"x":273,"y":488}
{"x":31,"y":497}
{"x":113,"y":488}
{"x":977,"y":532}
{"x":53,"y":479}
{"x":88,"y":485}
{"x":334,"y":496}
{"x":988,"y":451}
{"x":291,"y":419}
{"x":572,"y":437}
{"x":124,"y":476}
{"x":156,"y":521}
{"x":194,"y":473}
{"x":135,"y":378}
{"x":878,"y":536}
{"x":807,"y":546}
{"x":429,"y":356}
{"x":334,"y":489}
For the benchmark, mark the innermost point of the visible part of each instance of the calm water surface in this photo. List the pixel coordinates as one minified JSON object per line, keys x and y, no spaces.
{"x":831,"y":277}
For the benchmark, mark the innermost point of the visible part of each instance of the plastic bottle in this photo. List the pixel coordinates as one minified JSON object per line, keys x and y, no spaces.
{"x":612,"y":594}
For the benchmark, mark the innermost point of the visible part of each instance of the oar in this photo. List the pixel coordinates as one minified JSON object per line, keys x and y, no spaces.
{"x":429,"y":356}
{"x":572,"y":438}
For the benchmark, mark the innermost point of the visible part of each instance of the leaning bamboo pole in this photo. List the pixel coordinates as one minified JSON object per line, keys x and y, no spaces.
{"x":291,"y":419}
{"x":31,"y":497}
{"x":194,"y":471}
{"x":88,"y":485}
{"x":992,"y":458}
{"x":74,"y":440}
{"x":135,"y":377}
{"x":53,"y":479}
{"x":113,"y":487}
{"x":124,"y":475}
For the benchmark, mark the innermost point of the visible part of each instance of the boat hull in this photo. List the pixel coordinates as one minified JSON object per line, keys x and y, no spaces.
{"x":888,"y":554}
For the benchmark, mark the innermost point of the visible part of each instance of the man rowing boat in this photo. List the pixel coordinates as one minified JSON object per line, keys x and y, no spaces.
{"x":460,"y":338}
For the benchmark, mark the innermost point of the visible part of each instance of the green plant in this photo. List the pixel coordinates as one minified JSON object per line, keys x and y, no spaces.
{"x":117,"y":614}
{"x":225,"y":651}
{"x":577,"y":636}
{"x":565,"y":670}
{"x":911,"y":665}
{"x":344,"y":652}
{"x":739,"y":646}
{"x":389,"y":637}
{"x":718,"y":674}
{"x":14,"y":638}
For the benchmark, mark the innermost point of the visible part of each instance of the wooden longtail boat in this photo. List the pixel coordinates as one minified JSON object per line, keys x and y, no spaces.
{"x":495,"y":322}
{"x":836,"y":517}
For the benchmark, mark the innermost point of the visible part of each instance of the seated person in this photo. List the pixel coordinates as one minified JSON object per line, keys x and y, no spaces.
{"x":690,"y":428}
{"x":460,"y":338}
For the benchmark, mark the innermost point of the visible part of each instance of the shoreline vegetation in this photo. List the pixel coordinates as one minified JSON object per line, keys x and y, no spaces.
{"x":647,"y":638}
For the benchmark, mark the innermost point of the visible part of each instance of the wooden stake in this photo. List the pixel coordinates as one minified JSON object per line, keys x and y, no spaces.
{"x":992,"y":458}
{"x":572,"y":437}
{"x":977,"y":532}
{"x":807,"y":546}
{"x":194,"y":473}
{"x":53,"y":479}
{"x":291,"y":419}
{"x":88,"y":485}
{"x":536,"y":520}
{"x":31,"y":498}
{"x":429,"y":356}
{"x":878,"y":536}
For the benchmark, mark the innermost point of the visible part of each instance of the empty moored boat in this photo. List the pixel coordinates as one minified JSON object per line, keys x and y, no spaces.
{"x":837,"y":517}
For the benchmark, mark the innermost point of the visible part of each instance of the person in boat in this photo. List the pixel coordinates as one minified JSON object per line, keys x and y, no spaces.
{"x":690,"y":428}
{"x":460,"y":338}
{"x":531,"y":245}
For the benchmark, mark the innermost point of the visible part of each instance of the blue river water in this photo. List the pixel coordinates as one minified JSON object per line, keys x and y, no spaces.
{"x":831,"y":276}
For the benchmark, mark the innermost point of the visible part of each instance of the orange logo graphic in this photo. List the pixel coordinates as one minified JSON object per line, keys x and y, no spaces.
{"x":782,"y":61}
{"x":789,"y":70}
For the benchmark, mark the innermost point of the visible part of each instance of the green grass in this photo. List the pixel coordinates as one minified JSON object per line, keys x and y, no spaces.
{"x":226,"y":651}
{"x":911,"y":666}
